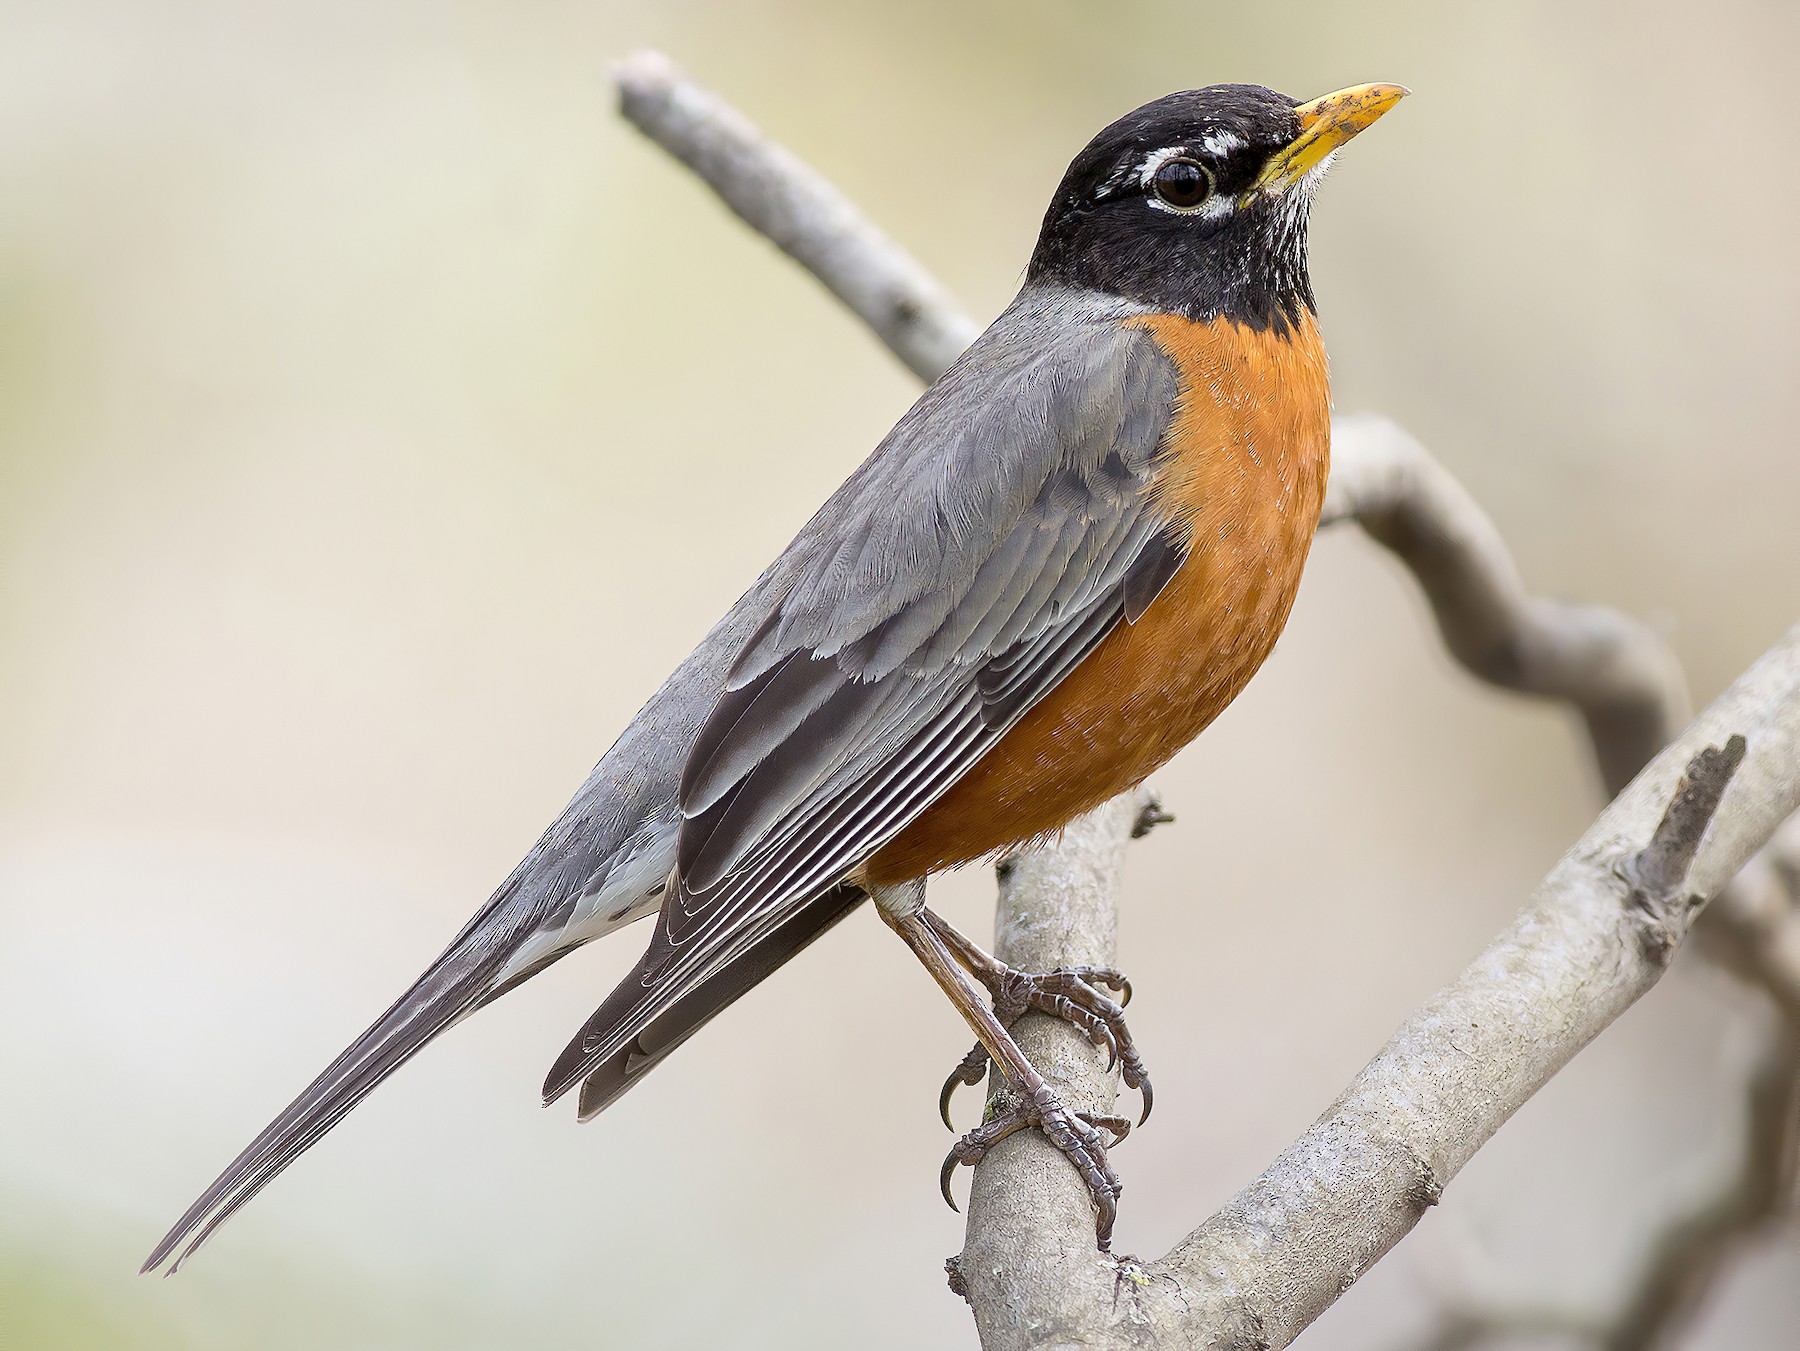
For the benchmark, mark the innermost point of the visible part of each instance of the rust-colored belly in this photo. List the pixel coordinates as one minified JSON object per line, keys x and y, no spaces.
{"x":1245,"y":472}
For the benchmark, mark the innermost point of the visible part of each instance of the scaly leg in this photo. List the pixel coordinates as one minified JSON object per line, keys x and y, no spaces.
{"x":1076,"y":1134}
{"x":1071,"y":993}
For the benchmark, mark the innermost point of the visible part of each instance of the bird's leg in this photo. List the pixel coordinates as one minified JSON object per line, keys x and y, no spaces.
{"x":1077,"y":1134}
{"x":1071,"y":993}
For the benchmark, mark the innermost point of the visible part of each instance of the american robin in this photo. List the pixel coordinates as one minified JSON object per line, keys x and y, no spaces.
{"x":1065,"y":560}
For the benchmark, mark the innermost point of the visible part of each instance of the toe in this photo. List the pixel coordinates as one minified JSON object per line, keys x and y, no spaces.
{"x":969,"y":1073}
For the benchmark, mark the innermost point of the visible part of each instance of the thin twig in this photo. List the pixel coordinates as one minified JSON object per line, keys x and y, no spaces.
{"x":1657,"y":873}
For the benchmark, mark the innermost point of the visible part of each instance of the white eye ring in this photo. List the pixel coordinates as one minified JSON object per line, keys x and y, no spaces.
{"x":1180,"y":199}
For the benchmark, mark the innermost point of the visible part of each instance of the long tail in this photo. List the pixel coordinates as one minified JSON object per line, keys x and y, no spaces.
{"x":470,"y":971}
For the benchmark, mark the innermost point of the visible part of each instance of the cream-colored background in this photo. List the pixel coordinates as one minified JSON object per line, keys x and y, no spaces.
{"x":380,"y":421}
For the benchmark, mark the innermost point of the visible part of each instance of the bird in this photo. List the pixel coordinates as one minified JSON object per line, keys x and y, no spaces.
{"x":1063,"y":562}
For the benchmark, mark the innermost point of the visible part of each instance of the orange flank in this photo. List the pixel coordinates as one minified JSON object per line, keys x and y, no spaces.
{"x":1243,"y":471}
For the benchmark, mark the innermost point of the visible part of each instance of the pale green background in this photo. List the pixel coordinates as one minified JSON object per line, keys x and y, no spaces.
{"x":380,"y":420}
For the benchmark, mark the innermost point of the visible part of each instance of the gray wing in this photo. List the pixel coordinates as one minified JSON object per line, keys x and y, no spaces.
{"x":1002,"y":530}
{"x":605,"y":858}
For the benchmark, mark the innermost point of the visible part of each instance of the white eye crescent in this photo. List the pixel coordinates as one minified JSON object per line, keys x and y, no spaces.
{"x":1181,"y":184}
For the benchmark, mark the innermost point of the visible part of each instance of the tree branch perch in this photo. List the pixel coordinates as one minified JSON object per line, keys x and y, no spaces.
{"x":1597,"y":934}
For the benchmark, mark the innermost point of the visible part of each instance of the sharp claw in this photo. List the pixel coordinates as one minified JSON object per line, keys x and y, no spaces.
{"x":1072,"y":994}
{"x":1102,"y":1035}
{"x":944,"y":1175}
{"x":947,"y":1092}
{"x":970,"y":1071}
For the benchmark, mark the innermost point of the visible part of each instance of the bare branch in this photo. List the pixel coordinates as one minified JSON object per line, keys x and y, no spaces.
{"x":1657,"y":873}
{"x":1056,"y":909}
{"x":1685,"y":1261}
{"x":780,"y":197}
{"x":1616,"y":671}
{"x":1286,"y":1246}
{"x":1457,"y":1069}
{"x":1629,"y":690}
{"x":1259,"y":1271}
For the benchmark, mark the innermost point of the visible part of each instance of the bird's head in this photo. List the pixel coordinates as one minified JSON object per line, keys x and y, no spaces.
{"x":1197,"y":203}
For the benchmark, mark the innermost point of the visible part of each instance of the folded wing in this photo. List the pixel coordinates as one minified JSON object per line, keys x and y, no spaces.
{"x":1004,"y":528}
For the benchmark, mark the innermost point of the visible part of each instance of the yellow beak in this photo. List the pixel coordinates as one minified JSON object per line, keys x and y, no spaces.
{"x":1325,"y":124}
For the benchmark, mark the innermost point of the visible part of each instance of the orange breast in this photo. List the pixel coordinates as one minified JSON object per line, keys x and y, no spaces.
{"x":1244,"y":470}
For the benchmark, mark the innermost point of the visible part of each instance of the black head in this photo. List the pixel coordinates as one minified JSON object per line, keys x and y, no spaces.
{"x":1197,"y":204}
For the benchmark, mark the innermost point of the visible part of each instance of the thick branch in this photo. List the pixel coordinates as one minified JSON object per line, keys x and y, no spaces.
{"x":1627,"y":686}
{"x":1590,"y":943}
{"x":1057,"y":909}
{"x":1685,"y":1260}
{"x":1265,"y":1266}
{"x":1572,"y":962}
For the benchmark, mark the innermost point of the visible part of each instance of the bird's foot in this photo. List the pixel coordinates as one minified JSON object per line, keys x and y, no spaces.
{"x":1073,"y":994}
{"x":1076,"y":1134}
{"x":1076,"y":994}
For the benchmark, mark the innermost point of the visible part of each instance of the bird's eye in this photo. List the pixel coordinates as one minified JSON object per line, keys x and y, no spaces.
{"x":1182,"y":184}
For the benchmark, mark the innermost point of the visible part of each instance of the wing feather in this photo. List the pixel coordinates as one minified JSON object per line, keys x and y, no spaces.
{"x":1006,"y":526}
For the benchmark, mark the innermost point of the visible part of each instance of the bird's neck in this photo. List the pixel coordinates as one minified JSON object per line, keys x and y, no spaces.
{"x":1250,"y":269}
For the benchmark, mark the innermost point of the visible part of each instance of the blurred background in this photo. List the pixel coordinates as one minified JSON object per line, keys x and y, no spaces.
{"x":381,"y":420}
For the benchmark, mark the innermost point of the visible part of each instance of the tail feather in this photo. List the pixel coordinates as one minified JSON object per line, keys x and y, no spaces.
{"x":653,"y":1044}
{"x":462,"y":979}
